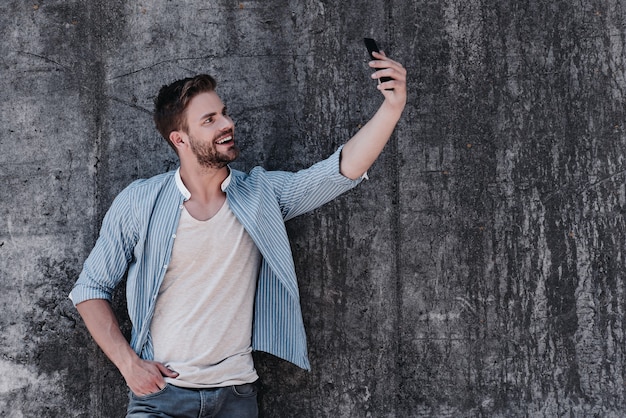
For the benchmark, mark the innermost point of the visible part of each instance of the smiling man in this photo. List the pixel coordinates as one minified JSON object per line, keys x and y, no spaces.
{"x":210,"y":276}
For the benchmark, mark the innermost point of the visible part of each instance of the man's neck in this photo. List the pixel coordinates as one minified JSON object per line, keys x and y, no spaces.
{"x":205,"y":186}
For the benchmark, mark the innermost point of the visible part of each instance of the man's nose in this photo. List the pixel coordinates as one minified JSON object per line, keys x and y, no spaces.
{"x":226,"y":123}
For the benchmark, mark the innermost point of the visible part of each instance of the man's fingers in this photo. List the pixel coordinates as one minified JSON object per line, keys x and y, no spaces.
{"x":384,"y":59}
{"x":148,"y":377}
{"x":395,"y":73}
{"x":165,"y":371}
{"x":388,"y":68}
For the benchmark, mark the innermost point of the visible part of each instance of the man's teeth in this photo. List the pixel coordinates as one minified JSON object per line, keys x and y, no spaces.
{"x":224,"y":140}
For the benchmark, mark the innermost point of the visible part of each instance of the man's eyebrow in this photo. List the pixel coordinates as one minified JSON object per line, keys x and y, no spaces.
{"x":208,"y":115}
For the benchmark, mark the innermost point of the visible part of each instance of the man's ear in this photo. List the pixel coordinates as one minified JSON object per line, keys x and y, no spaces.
{"x":177,"y":139}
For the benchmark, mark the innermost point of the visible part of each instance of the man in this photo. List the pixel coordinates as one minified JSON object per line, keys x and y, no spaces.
{"x":210,"y":272}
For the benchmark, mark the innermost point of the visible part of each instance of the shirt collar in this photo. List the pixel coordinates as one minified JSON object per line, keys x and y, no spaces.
{"x":181,"y":186}
{"x":226,"y":181}
{"x":186,"y":193}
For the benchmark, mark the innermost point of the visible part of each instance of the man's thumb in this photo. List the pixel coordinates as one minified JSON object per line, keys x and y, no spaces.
{"x":166,"y":371}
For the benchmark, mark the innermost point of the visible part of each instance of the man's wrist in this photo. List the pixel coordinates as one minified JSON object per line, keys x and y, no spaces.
{"x":126,"y":361}
{"x":393,"y":110}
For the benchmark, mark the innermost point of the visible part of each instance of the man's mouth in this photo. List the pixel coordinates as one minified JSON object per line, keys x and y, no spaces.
{"x":224,"y":140}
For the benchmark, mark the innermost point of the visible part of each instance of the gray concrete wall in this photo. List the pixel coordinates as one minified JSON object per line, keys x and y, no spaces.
{"x":481,"y":271}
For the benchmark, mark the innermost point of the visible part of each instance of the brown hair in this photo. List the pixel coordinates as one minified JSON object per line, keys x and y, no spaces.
{"x":172,"y":101}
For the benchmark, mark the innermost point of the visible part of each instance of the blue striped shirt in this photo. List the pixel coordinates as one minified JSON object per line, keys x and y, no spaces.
{"x":139,"y":230}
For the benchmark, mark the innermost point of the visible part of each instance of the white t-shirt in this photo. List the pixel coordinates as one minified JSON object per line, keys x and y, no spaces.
{"x":202,"y":325}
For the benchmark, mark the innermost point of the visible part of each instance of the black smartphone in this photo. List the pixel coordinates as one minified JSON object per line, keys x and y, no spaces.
{"x":371,"y":46}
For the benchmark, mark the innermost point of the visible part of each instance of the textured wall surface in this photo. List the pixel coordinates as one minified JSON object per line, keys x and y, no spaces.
{"x":480,"y":272}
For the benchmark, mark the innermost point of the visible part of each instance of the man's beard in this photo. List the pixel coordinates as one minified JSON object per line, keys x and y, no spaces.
{"x":208,"y":156}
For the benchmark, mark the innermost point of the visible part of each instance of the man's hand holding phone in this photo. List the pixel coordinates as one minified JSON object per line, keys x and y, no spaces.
{"x":391,"y":75}
{"x":360,"y":152}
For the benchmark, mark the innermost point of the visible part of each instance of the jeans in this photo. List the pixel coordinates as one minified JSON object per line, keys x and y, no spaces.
{"x":228,"y":402}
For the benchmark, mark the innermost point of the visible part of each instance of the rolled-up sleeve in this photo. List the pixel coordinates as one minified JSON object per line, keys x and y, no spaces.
{"x":108,"y":261}
{"x":310,"y":188}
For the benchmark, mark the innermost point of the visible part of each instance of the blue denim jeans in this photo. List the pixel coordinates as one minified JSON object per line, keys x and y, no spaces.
{"x":229,"y":402}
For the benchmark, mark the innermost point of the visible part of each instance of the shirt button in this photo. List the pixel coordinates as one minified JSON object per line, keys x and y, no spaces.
{"x":181,"y":207}
{"x":173,"y":235}
{"x":164,"y":266}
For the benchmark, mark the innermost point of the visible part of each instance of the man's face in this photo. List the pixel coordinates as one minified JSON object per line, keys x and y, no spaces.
{"x":211,"y":131}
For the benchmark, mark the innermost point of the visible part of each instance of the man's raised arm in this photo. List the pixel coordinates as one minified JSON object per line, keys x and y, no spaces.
{"x":365,"y":146}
